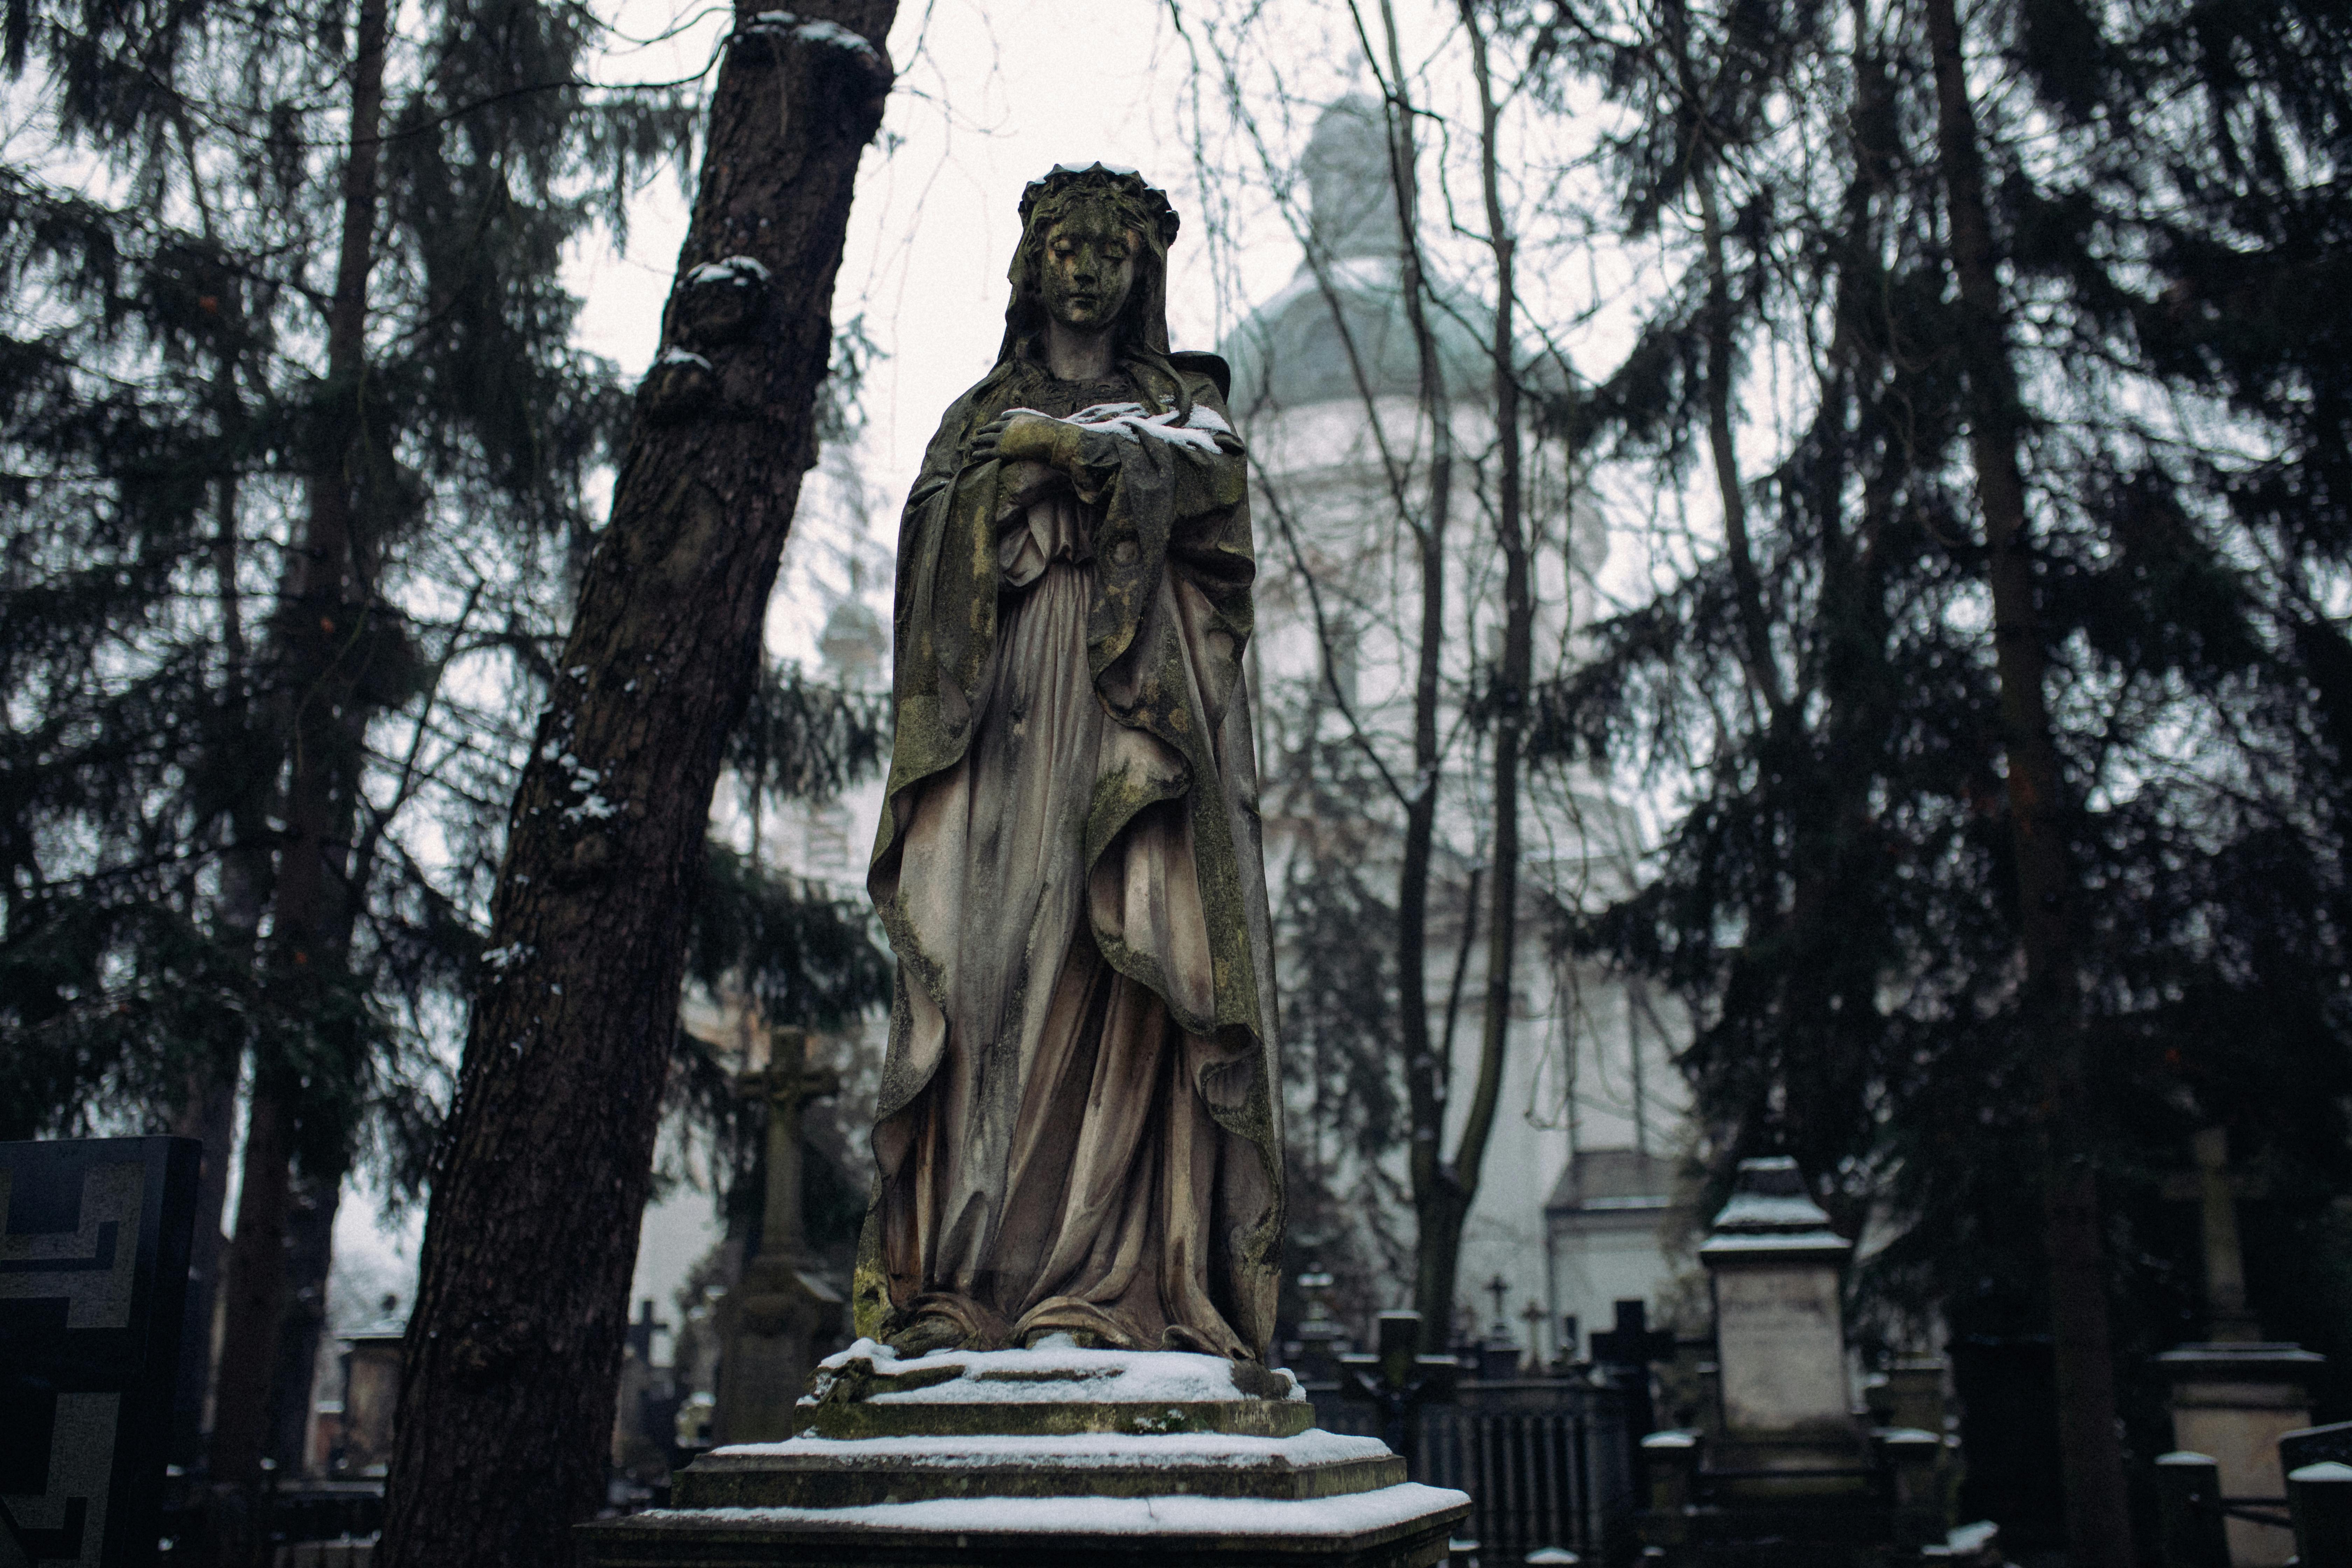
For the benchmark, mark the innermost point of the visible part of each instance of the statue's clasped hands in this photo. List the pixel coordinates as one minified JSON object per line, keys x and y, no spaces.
{"x":1016,"y":436}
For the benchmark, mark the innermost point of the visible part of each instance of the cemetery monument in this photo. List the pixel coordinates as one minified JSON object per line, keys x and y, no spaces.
{"x":94,"y":1241}
{"x":2234,"y":1394}
{"x":1065,"y":1290}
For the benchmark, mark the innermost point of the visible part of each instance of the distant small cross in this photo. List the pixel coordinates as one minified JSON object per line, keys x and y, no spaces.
{"x":1500,"y":1287}
{"x":642,"y":1332}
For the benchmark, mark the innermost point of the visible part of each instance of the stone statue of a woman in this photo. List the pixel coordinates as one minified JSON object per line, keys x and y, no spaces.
{"x":1079,"y":1127}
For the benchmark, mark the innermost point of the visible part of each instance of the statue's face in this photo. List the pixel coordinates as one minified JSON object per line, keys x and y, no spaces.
{"x":1089,"y":271}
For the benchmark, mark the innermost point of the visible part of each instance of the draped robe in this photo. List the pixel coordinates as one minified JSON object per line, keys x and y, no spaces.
{"x":1078,"y":1124}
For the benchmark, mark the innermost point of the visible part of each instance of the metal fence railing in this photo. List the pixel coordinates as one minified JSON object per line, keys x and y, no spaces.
{"x":1547,"y":1462}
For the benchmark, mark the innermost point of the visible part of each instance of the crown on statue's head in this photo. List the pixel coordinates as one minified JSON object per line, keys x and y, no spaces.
{"x":1124,"y":187}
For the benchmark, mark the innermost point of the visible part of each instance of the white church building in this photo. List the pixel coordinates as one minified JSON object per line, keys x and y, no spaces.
{"x":1575,"y":1208}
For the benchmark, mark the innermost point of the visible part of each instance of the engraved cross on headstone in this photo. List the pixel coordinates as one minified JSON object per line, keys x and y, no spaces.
{"x":2216,"y":1189}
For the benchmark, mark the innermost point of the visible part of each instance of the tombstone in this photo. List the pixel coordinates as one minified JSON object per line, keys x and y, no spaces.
{"x":2235,"y":1396}
{"x":773,"y":1324}
{"x":2190,"y":1527}
{"x":2321,"y":1498}
{"x":372,"y":1390}
{"x":94,"y":1242}
{"x":2008,"y":1393}
{"x":1790,"y":1476}
{"x":1773,"y":1267}
{"x":1909,"y":1393}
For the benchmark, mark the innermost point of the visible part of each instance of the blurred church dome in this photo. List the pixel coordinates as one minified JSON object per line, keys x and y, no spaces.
{"x":854,"y":643}
{"x":1295,"y":351}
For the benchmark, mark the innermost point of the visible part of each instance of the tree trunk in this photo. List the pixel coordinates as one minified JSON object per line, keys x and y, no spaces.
{"x":309,"y":1258}
{"x":1441,"y":1264}
{"x":1425,"y":1071}
{"x":513,"y":1353}
{"x":2098,"y":1522}
{"x":1516,"y":670}
{"x":322,"y":620}
{"x":209,"y":1113}
{"x":255,"y":1289}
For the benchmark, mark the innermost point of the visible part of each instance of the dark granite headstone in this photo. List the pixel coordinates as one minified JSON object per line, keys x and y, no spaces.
{"x":93,"y":1276}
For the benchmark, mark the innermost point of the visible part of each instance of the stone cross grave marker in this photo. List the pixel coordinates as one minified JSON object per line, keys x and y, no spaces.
{"x":2233,"y":1396}
{"x":770,"y":1321}
{"x":1628,"y":1350}
{"x":94,"y":1236}
{"x":1498,"y":1353}
{"x":2216,"y":1189}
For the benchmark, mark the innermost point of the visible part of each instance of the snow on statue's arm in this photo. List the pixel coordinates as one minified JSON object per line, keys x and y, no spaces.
{"x":1199,"y":449}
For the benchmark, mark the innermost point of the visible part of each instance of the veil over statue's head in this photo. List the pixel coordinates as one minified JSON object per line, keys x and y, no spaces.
{"x":1126,"y":198}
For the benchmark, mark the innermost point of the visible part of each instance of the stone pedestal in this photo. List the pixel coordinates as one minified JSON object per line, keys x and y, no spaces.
{"x":1043,"y":1456}
{"x":2235,"y":1400}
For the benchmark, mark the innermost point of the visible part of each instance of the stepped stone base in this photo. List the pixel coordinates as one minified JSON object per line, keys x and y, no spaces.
{"x":1051,"y":1456}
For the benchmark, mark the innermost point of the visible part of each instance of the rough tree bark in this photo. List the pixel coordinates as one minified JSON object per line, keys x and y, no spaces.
{"x":2098,"y":1520}
{"x":514,"y":1349}
{"x":322,"y":621}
